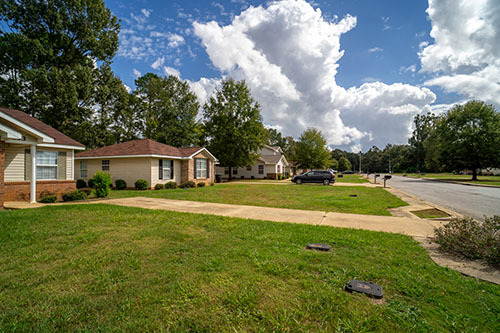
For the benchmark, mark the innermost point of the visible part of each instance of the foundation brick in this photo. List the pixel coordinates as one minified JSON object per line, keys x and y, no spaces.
{"x":20,"y":191}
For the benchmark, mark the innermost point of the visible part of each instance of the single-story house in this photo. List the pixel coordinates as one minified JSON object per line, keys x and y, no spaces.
{"x":147,"y":159}
{"x":269,"y":164}
{"x":35,"y":159}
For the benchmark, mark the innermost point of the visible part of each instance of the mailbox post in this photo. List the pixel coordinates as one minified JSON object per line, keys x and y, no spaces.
{"x":375,"y":178}
{"x":386,"y":178}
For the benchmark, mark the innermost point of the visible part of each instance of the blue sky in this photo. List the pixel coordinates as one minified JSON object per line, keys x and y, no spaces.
{"x":376,"y":59}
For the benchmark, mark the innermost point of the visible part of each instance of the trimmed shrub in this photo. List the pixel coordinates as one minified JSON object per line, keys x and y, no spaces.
{"x":86,"y":190}
{"x":212,"y":184}
{"x":91,"y":183}
{"x":141,"y":184}
{"x":171,"y":185}
{"x":159,"y":187}
{"x":80,"y":183}
{"x":102,"y":184}
{"x":279,"y":176}
{"x":201,"y":184}
{"x":75,"y":195}
{"x":188,"y":184}
{"x":48,"y":199}
{"x":472,"y":239}
{"x":120,"y":184}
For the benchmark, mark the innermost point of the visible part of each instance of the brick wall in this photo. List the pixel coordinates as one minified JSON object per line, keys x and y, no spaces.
{"x":20,"y":191}
{"x":187,"y":170}
{"x":2,"y":168}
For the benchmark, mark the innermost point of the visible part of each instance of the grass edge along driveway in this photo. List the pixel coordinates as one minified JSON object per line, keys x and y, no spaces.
{"x":353,"y":200}
{"x":108,"y":268}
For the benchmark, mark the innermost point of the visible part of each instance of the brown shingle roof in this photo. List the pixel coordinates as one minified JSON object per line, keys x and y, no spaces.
{"x":58,"y":137}
{"x":270,"y":159}
{"x":139,"y":147}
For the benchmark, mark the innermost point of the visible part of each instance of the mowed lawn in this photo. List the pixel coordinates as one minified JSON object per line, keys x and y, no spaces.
{"x":351,"y":179}
{"x":374,"y":201}
{"x":486,"y":180}
{"x":108,"y":268}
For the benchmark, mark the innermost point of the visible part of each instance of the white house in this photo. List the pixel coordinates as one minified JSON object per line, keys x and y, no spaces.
{"x":269,"y":164}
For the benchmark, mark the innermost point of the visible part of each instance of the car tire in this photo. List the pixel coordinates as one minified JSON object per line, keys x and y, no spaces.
{"x":326,"y":182}
{"x":299,"y":181}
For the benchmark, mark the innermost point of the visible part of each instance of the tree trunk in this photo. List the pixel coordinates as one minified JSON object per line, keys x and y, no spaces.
{"x":230,"y":173}
{"x":474,"y":173}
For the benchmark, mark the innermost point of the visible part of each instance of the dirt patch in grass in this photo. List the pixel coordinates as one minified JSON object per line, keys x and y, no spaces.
{"x":431,"y":213}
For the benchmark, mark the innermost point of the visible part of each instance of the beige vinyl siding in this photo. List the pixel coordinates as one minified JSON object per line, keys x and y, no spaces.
{"x":128,"y":169}
{"x":14,"y":163}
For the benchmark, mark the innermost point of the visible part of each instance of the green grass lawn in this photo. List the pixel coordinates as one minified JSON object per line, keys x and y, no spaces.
{"x":109,"y":268}
{"x":488,"y":180}
{"x":374,"y":201}
{"x":351,"y":179}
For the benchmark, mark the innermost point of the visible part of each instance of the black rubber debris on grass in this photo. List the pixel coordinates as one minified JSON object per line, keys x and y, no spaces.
{"x":318,"y":247}
{"x":369,"y":288}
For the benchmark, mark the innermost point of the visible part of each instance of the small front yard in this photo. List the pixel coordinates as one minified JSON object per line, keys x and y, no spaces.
{"x":356,"y":200}
{"x":108,"y":268}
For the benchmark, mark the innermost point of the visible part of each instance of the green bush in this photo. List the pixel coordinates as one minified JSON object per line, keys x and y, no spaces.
{"x":201,"y":184}
{"x":86,"y":190}
{"x":102,"y":184}
{"x":212,"y":184}
{"x":75,"y":195}
{"x":120,"y":184}
{"x":80,"y":183}
{"x":141,"y":184}
{"x":171,"y":185}
{"x":472,"y":239}
{"x":48,"y":199}
{"x":279,"y":176}
{"x":159,"y":187}
{"x":188,"y":184}
{"x":91,"y":183}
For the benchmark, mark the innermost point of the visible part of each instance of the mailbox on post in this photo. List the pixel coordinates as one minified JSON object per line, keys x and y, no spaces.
{"x":375,"y":178}
{"x":386,"y":178}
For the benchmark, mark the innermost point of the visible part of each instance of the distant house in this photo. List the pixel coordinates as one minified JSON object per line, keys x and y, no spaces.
{"x":147,"y":159}
{"x":35,"y":159}
{"x":269,"y":164}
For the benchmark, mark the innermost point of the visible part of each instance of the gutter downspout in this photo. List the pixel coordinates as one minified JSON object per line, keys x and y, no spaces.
{"x":33,"y":174}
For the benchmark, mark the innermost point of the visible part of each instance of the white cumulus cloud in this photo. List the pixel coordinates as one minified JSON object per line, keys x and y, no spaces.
{"x":288,"y":55}
{"x":465,"y":55}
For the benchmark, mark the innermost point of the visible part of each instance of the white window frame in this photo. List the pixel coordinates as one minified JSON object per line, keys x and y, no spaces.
{"x":167,"y":169}
{"x":38,"y":176}
{"x":86,"y":169}
{"x":201,"y":172}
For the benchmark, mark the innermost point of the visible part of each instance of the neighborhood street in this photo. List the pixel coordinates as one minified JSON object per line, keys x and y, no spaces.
{"x":473,"y":201}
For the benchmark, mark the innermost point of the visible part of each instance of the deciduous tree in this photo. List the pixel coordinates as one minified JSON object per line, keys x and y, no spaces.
{"x":311,"y":151}
{"x":233,"y":125}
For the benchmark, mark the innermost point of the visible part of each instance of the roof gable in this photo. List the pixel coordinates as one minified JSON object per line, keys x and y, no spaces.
{"x":40,"y":128}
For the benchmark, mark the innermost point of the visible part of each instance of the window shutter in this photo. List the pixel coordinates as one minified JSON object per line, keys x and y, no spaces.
{"x":160,"y":168}
{"x":61,"y":165}
{"x":208,"y":168}
{"x":27,"y":164}
{"x":172,"y":169}
{"x":195,"y":168}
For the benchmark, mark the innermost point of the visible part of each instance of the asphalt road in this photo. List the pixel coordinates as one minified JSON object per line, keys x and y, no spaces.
{"x":473,"y":201}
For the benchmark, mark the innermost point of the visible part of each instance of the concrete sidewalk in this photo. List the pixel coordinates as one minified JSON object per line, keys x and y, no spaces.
{"x":409,"y":226}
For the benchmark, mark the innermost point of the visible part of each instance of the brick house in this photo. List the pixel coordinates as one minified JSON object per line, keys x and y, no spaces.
{"x":35,"y":159}
{"x":147,"y":159}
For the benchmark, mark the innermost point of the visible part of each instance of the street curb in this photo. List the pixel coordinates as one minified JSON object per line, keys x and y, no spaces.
{"x":452,"y":181}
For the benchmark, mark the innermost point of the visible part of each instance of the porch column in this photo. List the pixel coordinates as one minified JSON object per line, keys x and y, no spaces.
{"x":33,"y":175}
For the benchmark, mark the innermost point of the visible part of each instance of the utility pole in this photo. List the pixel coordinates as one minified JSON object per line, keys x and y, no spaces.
{"x":390,"y":171}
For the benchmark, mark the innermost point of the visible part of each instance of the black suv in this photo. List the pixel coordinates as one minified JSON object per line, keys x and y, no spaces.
{"x":316,"y":176}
